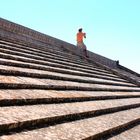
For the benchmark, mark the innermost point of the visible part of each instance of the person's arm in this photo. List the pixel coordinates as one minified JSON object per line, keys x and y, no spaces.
{"x":84,"y":35}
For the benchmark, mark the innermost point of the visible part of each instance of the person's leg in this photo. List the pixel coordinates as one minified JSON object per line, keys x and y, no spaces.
{"x":85,"y":50}
{"x":83,"y":47}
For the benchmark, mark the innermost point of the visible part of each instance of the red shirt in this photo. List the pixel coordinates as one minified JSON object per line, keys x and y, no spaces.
{"x":80,"y":36}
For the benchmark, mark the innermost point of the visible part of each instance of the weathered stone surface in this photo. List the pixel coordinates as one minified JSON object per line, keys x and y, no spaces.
{"x":21,"y":113}
{"x":48,"y":74}
{"x":131,"y":134}
{"x":80,"y":129}
{"x":49,"y":82}
{"x":44,"y":80}
{"x":34,"y":94}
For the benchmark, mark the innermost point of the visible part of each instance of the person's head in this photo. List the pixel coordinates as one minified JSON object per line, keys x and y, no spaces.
{"x":80,"y":30}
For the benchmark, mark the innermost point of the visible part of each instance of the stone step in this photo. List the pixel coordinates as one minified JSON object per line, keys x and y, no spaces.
{"x":91,"y":62}
{"x":86,"y":129}
{"x":43,"y":59}
{"x":38,"y":47}
{"x":130,"y":134}
{"x":116,"y":73}
{"x":15,"y":65}
{"x":45,"y":51}
{"x":26,"y":93}
{"x":64,"y":87}
{"x":67,"y":70}
{"x":24,"y":97}
{"x":5,"y":48}
{"x":96,"y":123}
{"x":14,"y":71}
{"x":37,"y":83}
{"x":44,"y":63}
{"x":47,"y":95}
{"x":8,"y":49}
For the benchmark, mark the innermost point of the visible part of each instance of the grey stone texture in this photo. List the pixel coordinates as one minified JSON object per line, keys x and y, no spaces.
{"x":50,"y":91}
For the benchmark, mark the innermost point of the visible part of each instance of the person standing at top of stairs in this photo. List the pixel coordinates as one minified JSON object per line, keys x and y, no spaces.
{"x":80,"y":35}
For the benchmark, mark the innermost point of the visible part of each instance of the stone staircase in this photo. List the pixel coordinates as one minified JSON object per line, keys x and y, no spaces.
{"x":49,"y":93}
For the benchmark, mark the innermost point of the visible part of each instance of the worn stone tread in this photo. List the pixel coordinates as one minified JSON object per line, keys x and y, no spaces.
{"x":49,"y":92}
{"x":77,"y":130}
{"x":48,"y":74}
{"x":54,"y":60}
{"x":33,"y":94}
{"x":69,"y":70}
{"x":65,"y":71}
{"x":31,"y":97}
{"x":44,"y":50}
{"x":15,"y":114}
{"x":19,"y":64}
{"x":48,"y":50}
{"x":51,"y":82}
{"x":46,"y":62}
{"x":22,"y":48}
{"x":34,"y":47}
{"x":9,"y":49}
{"x":32,"y":56}
{"x":131,"y":134}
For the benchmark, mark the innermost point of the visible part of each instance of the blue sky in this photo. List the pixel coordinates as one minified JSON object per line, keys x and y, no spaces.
{"x":112,"y":26}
